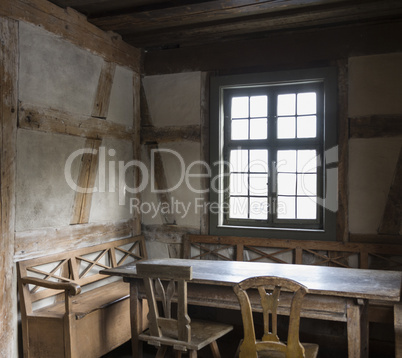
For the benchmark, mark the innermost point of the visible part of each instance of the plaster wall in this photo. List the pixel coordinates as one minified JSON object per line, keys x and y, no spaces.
{"x":375,"y":87}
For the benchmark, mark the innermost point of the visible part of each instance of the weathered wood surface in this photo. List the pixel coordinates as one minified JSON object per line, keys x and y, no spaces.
{"x":332,"y":288}
{"x":342,"y":215}
{"x":33,"y":243}
{"x":376,"y":126}
{"x":91,"y":323}
{"x":102,"y":98}
{"x":362,"y":255}
{"x":320,"y":280}
{"x":170,"y":134}
{"x":73,"y":27}
{"x":86,"y":181}
{"x":56,"y":121}
{"x":8,"y":146}
{"x":398,"y":330}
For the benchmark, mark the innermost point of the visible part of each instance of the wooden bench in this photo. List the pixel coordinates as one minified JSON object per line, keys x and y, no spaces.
{"x":69,"y":309}
{"x":336,"y":254}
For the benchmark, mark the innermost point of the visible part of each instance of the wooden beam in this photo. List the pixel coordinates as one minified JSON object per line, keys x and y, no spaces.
{"x":342,"y":217}
{"x":73,"y":27}
{"x":221,"y":31}
{"x":103,"y":91}
{"x":32,"y":243}
{"x":137,"y":218}
{"x":199,"y":13}
{"x":377,"y":126}
{"x":170,"y":134}
{"x":376,"y":239}
{"x":392,"y":218}
{"x":8,"y":146}
{"x":57,"y":121}
{"x":277,"y":50}
{"x":86,"y":181}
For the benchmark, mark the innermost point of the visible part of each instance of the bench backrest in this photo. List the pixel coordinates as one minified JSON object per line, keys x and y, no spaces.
{"x":338,"y":254}
{"x":80,"y":266}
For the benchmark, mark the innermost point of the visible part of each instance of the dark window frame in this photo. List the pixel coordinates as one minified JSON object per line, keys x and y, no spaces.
{"x":221,"y":86}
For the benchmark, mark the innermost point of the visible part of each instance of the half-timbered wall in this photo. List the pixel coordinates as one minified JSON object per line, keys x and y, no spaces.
{"x":75,"y":90}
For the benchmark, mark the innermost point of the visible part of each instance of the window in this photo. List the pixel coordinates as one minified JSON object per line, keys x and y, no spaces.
{"x":270,"y":139}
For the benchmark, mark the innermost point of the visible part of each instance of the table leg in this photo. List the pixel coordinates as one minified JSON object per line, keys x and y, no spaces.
{"x":398,"y":329}
{"x":357,"y":328}
{"x":136,"y":320}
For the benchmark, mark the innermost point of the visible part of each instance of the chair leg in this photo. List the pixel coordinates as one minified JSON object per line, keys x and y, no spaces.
{"x":192,"y":354}
{"x":215,"y":350}
{"x":161,"y":352}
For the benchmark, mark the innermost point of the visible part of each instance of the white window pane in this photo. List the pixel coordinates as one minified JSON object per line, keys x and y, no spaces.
{"x":286,"y":161}
{"x":239,"y":129}
{"x":258,"y":184}
{"x":307,"y":103}
{"x":258,"y":106}
{"x":240,"y":107}
{"x":306,"y":208}
{"x":307,"y":184}
{"x":238,"y":160}
{"x":286,"y":104}
{"x":286,"y":127}
{"x":286,"y":207}
{"x":259,"y":160}
{"x":307,"y":127}
{"x":306,"y":161}
{"x":258,"y":128}
{"x":238,"y":208}
{"x":286,"y":184}
{"x":258,"y":208}
{"x":238,"y":184}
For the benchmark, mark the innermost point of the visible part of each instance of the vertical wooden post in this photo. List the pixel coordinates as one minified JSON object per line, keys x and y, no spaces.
{"x":398,"y":329}
{"x":137,"y":146}
{"x":342,"y":225}
{"x":358,"y":329}
{"x":8,"y":144}
{"x":136,"y":320}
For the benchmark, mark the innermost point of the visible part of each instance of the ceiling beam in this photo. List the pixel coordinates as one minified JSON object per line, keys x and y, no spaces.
{"x":200,"y":13}
{"x":207,"y":33}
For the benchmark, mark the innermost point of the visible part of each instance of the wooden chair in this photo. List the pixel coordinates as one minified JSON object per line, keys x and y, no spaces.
{"x":269,"y":289}
{"x":180,"y":333}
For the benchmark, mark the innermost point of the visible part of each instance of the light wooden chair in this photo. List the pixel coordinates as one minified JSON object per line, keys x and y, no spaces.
{"x":269,"y":289}
{"x":181,"y":333}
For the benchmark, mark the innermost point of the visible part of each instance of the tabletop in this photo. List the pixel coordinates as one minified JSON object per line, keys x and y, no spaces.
{"x":322,"y":280}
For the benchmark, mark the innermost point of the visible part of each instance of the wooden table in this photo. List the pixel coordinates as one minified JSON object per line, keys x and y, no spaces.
{"x":338,"y":294}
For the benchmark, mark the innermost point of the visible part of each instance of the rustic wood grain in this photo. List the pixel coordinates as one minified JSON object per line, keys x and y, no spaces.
{"x":51,"y":120}
{"x":73,"y":27}
{"x":102,"y":98}
{"x":8,"y":146}
{"x":32,"y":243}
{"x":170,"y":134}
{"x":86,"y":181}
{"x":378,"y":126}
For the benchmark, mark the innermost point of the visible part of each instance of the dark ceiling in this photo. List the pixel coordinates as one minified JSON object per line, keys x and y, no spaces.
{"x":166,"y":24}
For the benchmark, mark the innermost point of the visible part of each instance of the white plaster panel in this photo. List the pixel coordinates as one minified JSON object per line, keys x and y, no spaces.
{"x":375,"y":85}
{"x":44,"y":199}
{"x":121,"y":97}
{"x":55,"y":73}
{"x":110,"y":199}
{"x":177,"y":158}
{"x":372,"y":163}
{"x":174,"y":99}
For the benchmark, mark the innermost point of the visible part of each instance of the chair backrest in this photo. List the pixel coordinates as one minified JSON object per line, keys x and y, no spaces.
{"x":269,"y":289}
{"x":162,"y":325}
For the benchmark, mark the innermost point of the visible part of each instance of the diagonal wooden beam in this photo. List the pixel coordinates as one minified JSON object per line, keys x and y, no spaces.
{"x":103,"y":91}
{"x":392,"y":218}
{"x":86,"y":180}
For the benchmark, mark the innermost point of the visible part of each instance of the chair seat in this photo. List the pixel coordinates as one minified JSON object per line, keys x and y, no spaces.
{"x":203,"y":333}
{"x":310,"y":351}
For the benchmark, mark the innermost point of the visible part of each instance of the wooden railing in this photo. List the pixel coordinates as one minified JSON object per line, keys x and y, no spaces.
{"x":337,"y":254}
